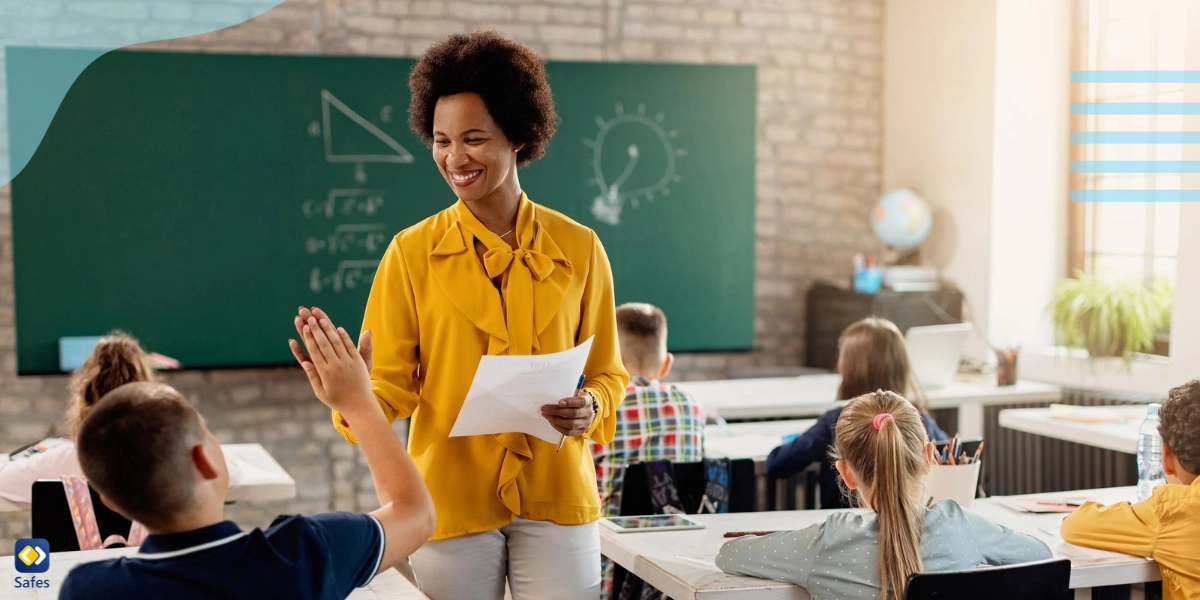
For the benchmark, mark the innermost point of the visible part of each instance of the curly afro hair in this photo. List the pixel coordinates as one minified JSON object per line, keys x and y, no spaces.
{"x":508,"y":76}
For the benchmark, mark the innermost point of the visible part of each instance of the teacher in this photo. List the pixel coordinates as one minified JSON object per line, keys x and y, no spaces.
{"x":494,"y":274}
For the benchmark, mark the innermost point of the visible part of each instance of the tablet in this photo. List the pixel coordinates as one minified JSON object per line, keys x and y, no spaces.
{"x":650,"y":523}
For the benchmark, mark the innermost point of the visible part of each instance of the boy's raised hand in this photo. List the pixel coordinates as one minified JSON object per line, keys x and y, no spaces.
{"x":336,"y":370}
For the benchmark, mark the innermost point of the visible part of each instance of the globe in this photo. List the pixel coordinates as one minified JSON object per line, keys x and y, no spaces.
{"x":901,"y":219}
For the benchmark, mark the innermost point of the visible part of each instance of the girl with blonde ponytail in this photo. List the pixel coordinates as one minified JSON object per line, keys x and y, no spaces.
{"x":883,"y":454}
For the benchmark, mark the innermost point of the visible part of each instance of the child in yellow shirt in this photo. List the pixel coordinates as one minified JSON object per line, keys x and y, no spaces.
{"x":1165,"y":526}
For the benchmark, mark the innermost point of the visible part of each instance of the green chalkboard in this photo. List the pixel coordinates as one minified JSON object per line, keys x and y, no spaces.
{"x":195,"y":200}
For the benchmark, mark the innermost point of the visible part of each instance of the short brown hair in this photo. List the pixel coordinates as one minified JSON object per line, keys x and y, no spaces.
{"x":1179,"y":424}
{"x":872,"y":356}
{"x":509,"y":77}
{"x":642,"y":330}
{"x":116,"y":360}
{"x":135,"y":449}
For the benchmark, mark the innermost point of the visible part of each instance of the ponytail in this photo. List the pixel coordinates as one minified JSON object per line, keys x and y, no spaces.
{"x":898,"y":512}
{"x":116,"y":360}
{"x":881,"y":438}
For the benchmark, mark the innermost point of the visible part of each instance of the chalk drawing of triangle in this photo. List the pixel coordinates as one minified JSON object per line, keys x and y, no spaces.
{"x":360,"y":141}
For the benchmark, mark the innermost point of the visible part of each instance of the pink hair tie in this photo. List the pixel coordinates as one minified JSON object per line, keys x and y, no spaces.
{"x":879,"y":419}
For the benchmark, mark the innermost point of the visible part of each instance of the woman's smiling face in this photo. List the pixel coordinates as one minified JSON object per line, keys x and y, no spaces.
{"x":474,"y":156}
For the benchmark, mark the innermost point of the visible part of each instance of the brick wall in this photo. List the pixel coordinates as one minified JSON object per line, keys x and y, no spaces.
{"x":818,"y":174}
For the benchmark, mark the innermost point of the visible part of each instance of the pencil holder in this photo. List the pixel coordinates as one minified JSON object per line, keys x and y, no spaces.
{"x":868,"y":280}
{"x":957,"y":482}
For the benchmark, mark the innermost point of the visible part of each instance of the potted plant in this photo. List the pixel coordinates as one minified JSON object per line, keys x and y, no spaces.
{"x":1110,"y":318}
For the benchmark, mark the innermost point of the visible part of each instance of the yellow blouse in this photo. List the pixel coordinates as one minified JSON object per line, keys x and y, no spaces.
{"x":1165,"y":527}
{"x":433,"y":312}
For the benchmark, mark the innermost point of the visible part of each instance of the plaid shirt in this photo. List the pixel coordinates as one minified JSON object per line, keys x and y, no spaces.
{"x":656,"y":421}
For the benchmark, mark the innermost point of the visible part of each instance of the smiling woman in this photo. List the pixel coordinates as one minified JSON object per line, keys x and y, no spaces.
{"x":509,"y":506}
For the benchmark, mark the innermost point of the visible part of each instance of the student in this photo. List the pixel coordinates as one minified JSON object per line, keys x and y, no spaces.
{"x":883,"y":453}
{"x":152,"y":458}
{"x":1165,"y":526}
{"x":657,"y":421}
{"x":116,"y":360}
{"x":871,"y":356}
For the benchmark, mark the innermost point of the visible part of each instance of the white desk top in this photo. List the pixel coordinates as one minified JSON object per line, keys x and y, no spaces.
{"x":771,"y":428}
{"x":254,"y":476}
{"x":1121,"y":436}
{"x":388,"y":585}
{"x":811,"y":395}
{"x":680,"y":562}
{"x":750,"y":440}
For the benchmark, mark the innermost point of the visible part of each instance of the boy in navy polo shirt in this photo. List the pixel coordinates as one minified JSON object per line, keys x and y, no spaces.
{"x":152,"y":458}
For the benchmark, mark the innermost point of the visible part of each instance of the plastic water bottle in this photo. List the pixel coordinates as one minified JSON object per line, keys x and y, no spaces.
{"x":1149,"y":455}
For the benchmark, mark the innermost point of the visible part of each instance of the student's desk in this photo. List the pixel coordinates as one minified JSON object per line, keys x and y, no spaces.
{"x":680,"y":563}
{"x":811,"y":395}
{"x":1120,"y":436}
{"x":255,"y":476}
{"x":776,"y":429}
{"x":261,"y":479}
{"x":388,"y":585}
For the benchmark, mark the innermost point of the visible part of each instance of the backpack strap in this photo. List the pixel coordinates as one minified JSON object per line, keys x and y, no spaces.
{"x":716,"y":486}
{"x":83,"y":518}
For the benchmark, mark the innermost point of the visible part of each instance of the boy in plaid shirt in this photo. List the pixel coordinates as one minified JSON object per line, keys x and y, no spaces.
{"x":656,"y":421}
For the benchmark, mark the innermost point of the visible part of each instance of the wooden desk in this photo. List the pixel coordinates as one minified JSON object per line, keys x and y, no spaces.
{"x":388,"y":585}
{"x":812,"y":395}
{"x":680,"y":562}
{"x":254,"y":476}
{"x":1119,"y":436}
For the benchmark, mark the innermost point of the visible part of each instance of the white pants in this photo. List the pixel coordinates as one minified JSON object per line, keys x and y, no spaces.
{"x":541,"y":560}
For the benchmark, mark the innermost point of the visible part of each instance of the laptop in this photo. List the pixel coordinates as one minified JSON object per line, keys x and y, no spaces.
{"x":935,"y":352}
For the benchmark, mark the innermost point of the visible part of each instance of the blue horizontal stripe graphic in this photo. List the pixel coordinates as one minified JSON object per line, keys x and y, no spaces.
{"x":1135,"y":137}
{"x":1135,"y":195}
{"x":1135,"y":166}
{"x":1135,"y":108}
{"x":1135,"y":76}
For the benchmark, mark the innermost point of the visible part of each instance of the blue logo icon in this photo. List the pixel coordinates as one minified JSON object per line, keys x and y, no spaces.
{"x":32,"y":555}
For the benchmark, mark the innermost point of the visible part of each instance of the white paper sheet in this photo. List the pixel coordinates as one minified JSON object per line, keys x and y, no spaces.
{"x":508,"y":393}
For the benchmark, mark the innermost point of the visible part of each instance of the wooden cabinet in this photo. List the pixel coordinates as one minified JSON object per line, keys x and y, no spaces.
{"x":831,"y":309}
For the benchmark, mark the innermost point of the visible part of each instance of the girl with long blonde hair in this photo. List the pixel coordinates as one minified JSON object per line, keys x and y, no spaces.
{"x":872,"y":356}
{"x":883,"y":454}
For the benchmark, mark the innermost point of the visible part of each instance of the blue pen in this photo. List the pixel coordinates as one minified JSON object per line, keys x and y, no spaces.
{"x":578,"y":386}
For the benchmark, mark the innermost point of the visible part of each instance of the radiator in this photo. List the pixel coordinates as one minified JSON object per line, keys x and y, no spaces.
{"x":1015,"y":462}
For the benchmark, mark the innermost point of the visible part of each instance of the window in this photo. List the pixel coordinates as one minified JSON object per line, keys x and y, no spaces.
{"x":1127,"y":240}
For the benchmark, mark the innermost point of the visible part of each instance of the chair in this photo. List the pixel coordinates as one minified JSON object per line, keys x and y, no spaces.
{"x":689,"y":482}
{"x":1045,"y":580}
{"x":51,"y":516}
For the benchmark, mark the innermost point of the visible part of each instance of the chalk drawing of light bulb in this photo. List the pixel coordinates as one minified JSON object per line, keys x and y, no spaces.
{"x":634,"y":158}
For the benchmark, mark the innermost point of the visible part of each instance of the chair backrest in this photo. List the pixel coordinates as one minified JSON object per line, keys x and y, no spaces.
{"x":51,"y":516}
{"x":690,"y":479}
{"x":1045,"y":580}
{"x":689,"y":482}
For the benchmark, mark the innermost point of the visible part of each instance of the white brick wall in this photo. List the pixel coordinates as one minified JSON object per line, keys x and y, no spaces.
{"x":818,"y":173}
